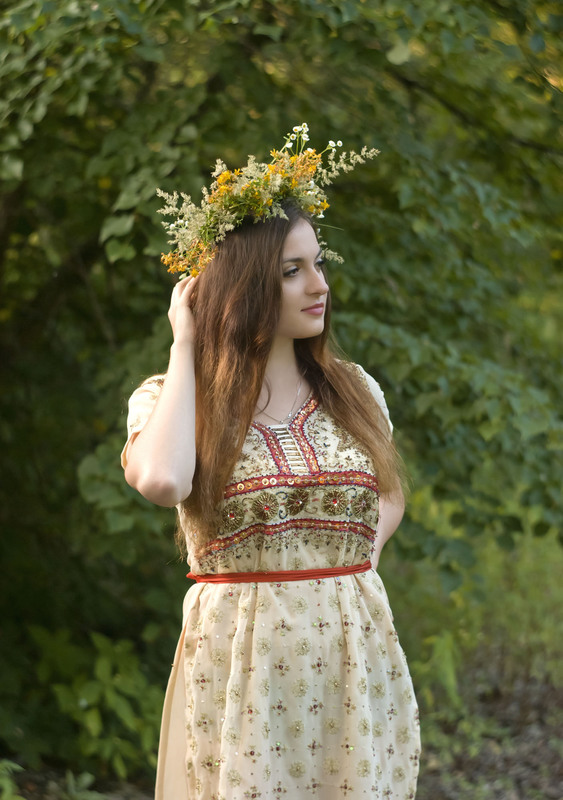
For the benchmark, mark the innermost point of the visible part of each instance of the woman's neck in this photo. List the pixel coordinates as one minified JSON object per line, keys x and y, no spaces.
{"x":284,"y":388}
{"x":282,"y":366}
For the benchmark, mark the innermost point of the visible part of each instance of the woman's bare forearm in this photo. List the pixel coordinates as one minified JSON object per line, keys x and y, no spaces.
{"x":161,"y":458}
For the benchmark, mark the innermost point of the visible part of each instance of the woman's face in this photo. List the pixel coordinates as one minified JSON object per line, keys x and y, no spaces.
{"x":304,"y":288}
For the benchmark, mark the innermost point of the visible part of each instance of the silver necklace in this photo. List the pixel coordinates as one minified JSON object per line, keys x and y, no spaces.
{"x":287,"y":418}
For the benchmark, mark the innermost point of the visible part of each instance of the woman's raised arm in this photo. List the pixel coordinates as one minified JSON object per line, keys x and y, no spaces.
{"x":161,"y":457}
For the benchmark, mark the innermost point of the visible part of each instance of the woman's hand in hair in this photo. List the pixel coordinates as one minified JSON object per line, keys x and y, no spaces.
{"x":180,"y":312}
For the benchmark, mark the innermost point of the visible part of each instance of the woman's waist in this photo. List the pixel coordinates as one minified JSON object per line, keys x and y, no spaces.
{"x":281,"y":576}
{"x":303,"y":553}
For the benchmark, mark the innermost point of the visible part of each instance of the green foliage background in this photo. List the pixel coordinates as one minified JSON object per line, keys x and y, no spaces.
{"x":451,"y":296}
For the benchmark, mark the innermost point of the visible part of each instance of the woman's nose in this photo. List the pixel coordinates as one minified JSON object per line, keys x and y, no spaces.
{"x":318,"y":284}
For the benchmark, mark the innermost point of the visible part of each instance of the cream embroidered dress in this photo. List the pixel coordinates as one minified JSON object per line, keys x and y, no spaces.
{"x":296,"y":689}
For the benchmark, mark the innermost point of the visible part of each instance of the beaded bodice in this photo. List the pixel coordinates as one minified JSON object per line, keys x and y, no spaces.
{"x":301,"y":495}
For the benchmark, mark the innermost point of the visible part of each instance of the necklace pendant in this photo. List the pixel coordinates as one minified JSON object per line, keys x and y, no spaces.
{"x":287,"y":419}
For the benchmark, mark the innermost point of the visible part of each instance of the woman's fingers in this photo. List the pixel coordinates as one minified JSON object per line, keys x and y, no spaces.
{"x":178,"y":292}
{"x":180,"y":313}
{"x":181,"y":286}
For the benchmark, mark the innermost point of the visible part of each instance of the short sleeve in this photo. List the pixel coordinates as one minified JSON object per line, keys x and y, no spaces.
{"x":377,"y":394}
{"x":141,"y":404}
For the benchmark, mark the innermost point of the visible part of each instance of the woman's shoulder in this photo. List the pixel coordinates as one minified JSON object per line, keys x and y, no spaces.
{"x":373,"y":386}
{"x":150,"y":386}
{"x":143,"y":400}
{"x":357,"y":369}
{"x":140,"y":406}
{"x":153,"y":382}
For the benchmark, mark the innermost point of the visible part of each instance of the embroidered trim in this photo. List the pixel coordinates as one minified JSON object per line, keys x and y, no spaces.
{"x":296,"y":427}
{"x":346,"y":526}
{"x":274,"y":446}
{"x":352,"y":477}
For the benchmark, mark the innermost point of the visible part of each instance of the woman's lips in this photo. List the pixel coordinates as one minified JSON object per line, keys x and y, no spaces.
{"x":316,"y":310}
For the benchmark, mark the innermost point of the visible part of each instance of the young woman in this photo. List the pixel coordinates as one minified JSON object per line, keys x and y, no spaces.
{"x":288,"y":679}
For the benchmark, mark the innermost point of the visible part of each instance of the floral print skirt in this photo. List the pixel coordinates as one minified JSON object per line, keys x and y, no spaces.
{"x":296,"y":690}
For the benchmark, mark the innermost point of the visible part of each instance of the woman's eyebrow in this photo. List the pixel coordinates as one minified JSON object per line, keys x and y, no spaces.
{"x":300,"y":258}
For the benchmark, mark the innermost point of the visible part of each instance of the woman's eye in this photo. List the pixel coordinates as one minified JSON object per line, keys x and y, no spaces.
{"x":289,"y":273}
{"x":320,"y":263}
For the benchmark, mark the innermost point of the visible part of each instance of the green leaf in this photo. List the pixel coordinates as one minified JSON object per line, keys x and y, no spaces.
{"x":93,"y":722}
{"x":450,"y":580}
{"x":542,"y":528}
{"x":122,"y":708}
{"x":399,"y":54}
{"x":11,"y":168}
{"x":66,"y":698}
{"x":103,"y":670}
{"x":91,"y":692}
{"x":118,"y":225}
{"x":119,"y":251}
{"x":119,"y":522}
{"x":460,"y":552}
{"x":150,"y":53}
{"x":491,"y":428}
{"x":119,"y":766}
{"x":271,"y":31}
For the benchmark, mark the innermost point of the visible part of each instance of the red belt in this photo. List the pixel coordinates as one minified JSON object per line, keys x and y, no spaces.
{"x":281,"y":576}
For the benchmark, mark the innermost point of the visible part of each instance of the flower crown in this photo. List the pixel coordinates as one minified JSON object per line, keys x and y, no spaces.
{"x":257,"y":191}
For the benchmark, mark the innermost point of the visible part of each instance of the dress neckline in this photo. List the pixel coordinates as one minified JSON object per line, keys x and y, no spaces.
{"x":288,"y":425}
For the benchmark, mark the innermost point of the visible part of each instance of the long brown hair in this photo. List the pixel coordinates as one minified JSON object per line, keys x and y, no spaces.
{"x":236,"y":304}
